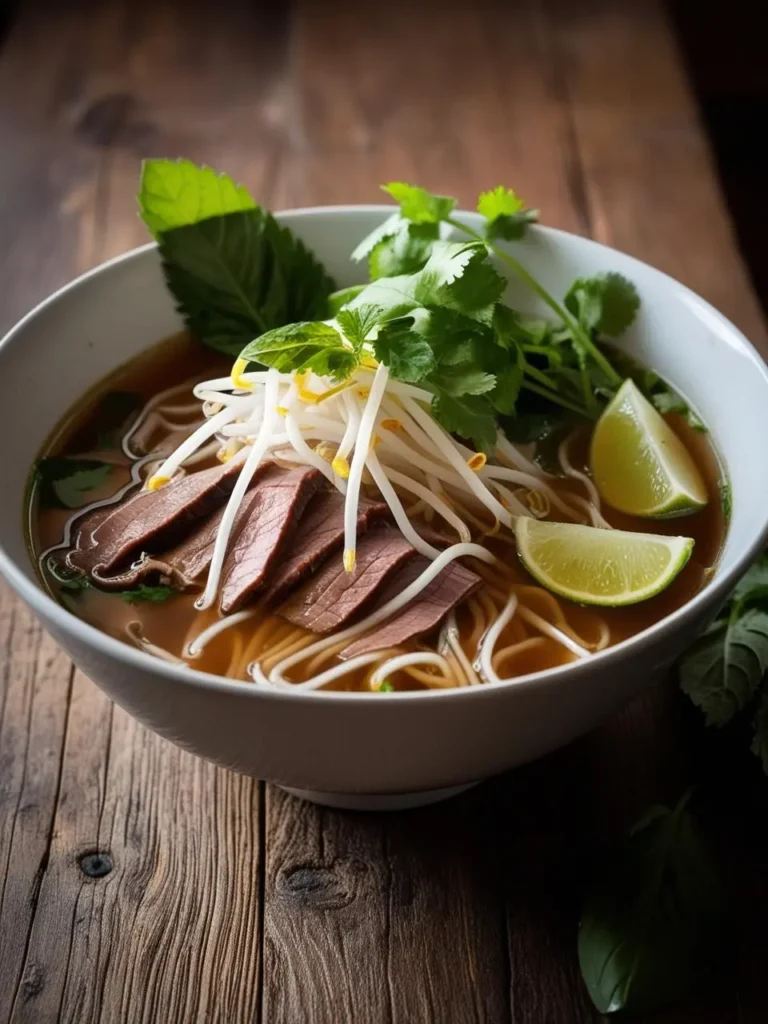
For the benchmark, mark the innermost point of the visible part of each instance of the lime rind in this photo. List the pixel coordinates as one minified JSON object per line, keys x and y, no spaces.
{"x":605,"y":559}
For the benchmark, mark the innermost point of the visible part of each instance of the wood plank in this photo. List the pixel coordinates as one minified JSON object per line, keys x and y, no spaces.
{"x":173,"y":929}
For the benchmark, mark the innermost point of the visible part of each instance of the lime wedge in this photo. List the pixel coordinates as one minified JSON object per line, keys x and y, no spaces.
{"x":605,"y":567}
{"x":639,"y":465}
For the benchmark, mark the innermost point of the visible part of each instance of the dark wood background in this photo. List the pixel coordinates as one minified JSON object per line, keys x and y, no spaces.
{"x":140,"y":884}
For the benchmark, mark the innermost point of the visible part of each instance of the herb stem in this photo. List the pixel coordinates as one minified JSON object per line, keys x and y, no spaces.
{"x":538,"y":375}
{"x":557,"y":399}
{"x":571,"y":323}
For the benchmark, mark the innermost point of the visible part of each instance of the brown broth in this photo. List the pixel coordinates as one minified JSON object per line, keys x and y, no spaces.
{"x":170,"y":624}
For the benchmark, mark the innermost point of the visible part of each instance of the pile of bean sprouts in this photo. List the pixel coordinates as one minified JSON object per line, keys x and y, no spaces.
{"x":372,"y":430}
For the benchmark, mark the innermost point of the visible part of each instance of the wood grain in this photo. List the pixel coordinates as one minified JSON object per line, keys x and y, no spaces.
{"x":461,"y":912}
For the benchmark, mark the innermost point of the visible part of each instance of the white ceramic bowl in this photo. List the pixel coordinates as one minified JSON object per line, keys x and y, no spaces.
{"x":359,"y":749}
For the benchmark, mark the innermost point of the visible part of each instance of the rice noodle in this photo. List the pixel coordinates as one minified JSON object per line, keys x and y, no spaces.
{"x":402,"y":661}
{"x":576,"y":474}
{"x":549,"y":630}
{"x":201,"y":641}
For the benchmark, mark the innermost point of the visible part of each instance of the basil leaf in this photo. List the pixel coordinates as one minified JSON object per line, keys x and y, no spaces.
{"x":723,"y":669}
{"x":304,"y":346}
{"x":239,"y":275}
{"x":145,"y":594}
{"x":173,"y":193}
{"x":66,"y":483}
{"x":654,"y":923}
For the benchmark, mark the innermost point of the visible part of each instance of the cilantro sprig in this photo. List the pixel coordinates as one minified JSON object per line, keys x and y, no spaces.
{"x":431,"y":312}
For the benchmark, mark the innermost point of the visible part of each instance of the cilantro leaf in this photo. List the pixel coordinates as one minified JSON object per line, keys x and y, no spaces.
{"x":508,"y":384}
{"x":144,"y":593}
{"x":607,"y":303}
{"x":400,"y":346}
{"x":462,"y":380}
{"x":395,"y":296}
{"x":505,"y":213}
{"x":471,"y":417}
{"x":391,"y":226}
{"x":337,"y":300}
{"x":385,"y":687}
{"x":174,"y":193}
{"x":66,"y":482}
{"x":460,"y":276}
{"x":418,"y":205}
{"x":667,"y":400}
{"x":311,"y":345}
{"x":404,"y":252}
{"x":723,"y":669}
{"x":726,"y":499}
{"x":358,"y":323}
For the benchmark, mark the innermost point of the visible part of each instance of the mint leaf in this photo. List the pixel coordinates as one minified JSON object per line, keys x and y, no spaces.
{"x":607,"y":303}
{"x":337,"y":300}
{"x":655,"y":922}
{"x":418,"y":205}
{"x":145,"y":594}
{"x":404,"y":252}
{"x":312,"y":345}
{"x":724,"y":668}
{"x":401,"y":347}
{"x":471,"y":417}
{"x":358,"y":323}
{"x":67,"y":483}
{"x":462,"y":380}
{"x":174,"y":193}
{"x":460,"y":276}
{"x":505,"y":213}
{"x":237,"y":276}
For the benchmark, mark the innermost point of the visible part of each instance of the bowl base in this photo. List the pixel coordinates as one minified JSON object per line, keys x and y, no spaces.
{"x":377,"y":801}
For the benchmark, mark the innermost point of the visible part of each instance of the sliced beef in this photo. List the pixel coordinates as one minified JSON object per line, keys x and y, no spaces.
{"x":454,"y":584}
{"x":150,"y":520}
{"x":333,"y":596}
{"x":276,"y":507}
{"x":321,"y":534}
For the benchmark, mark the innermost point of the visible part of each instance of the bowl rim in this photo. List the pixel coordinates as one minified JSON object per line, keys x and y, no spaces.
{"x":68,"y":623}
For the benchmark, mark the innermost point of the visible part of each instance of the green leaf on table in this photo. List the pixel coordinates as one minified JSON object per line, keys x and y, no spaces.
{"x":174,"y":193}
{"x":70,"y":482}
{"x":312,"y":345}
{"x":506,"y":214}
{"x":470,"y":416}
{"x":606,"y":303}
{"x":338,"y":299}
{"x":144,"y":594}
{"x":418,"y":205}
{"x":401,"y":346}
{"x":358,"y":323}
{"x":237,"y":276}
{"x":654,"y":925}
{"x":724,"y":668}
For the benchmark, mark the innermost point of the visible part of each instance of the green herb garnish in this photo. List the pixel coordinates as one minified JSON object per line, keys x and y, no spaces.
{"x":726,"y":499}
{"x":146,"y":594}
{"x":724,"y":673}
{"x":654,"y":926}
{"x":72,"y":580}
{"x":385,"y":687}
{"x":233,"y":270}
{"x":67,"y":483}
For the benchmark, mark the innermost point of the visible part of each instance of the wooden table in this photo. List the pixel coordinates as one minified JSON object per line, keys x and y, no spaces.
{"x":213,"y":897}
